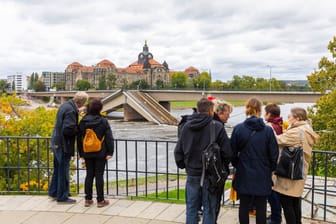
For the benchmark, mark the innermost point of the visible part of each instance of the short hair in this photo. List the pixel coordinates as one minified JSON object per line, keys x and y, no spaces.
{"x":204,"y":106}
{"x":253,"y":107}
{"x":222,"y":106}
{"x":94,"y":107}
{"x":272,"y":109}
{"x":80,"y":97}
{"x":299,"y":113}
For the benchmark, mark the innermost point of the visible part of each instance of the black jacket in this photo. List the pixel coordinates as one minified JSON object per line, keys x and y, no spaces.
{"x":102,"y":128}
{"x":66,"y":127}
{"x":255,"y":160}
{"x":194,"y":138}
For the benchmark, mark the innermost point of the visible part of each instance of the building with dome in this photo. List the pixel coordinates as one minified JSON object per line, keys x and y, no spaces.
{"x":144,"y":68}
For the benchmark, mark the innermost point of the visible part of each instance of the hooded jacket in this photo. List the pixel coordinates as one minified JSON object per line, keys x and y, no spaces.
{"x":291,"y":137}
{"x":255,"y":154}
{"x":102,"y":128}
{"x":194,"y":138}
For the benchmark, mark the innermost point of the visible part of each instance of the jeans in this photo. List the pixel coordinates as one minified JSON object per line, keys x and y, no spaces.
{"x":197,"y":196}
{"x":274,"y":201}
{"x":94,"y":170}
{"x":59,"y":187}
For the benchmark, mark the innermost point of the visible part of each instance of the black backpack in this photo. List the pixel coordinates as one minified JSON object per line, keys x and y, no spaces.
{"x":213,"y":168}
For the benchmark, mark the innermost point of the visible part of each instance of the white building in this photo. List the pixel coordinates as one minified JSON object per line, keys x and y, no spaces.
{"x":18,"y":82}
{"x":53,"y":79}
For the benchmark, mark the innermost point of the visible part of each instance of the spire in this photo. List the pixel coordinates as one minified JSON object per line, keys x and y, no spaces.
{"x":145,"y":47}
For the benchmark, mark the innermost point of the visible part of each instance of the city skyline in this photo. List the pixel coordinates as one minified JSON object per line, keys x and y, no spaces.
{"x":283,"y":39}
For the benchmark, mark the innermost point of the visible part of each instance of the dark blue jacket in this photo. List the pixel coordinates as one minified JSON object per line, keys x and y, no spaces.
{"x":194,"y":138}
{"x":66,"y":127}
{"x":254,"y":160}
{"x":102,"y":128}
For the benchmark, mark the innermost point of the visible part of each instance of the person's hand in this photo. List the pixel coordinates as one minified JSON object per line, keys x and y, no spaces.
{"x":108,"y":157}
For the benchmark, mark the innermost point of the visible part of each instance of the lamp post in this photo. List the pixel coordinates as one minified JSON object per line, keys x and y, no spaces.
{"x":270,"y":80}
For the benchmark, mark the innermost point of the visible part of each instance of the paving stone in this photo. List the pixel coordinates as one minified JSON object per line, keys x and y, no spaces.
{"x":153,"y":210}
{"x":15,"y":217}
{"x":126,"y":220}
{"x":87,"y":219}
{"x":135,"y":209}
{"x":171,"y":213}
{"x":48,"y":217}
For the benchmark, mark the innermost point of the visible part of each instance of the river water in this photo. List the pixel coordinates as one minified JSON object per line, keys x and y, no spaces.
{"x":151,"y":131}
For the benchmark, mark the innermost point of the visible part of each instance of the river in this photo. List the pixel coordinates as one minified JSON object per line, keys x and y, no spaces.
{"x":151,"y":131}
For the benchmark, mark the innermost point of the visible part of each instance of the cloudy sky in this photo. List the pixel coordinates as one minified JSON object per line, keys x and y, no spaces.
{"x":286,"y":38}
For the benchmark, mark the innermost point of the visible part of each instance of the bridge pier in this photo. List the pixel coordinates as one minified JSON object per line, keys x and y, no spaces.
{"x":165,"y":104}
{"x":131,"y":115}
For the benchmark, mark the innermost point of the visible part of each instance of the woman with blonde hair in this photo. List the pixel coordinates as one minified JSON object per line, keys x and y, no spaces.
{"x":255,"y":154}
{"x":298,"y":133}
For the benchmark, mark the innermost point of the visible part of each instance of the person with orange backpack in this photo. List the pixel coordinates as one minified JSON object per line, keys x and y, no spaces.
{"x":96,"y":146}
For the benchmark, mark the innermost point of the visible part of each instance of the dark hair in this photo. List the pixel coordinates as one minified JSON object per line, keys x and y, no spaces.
{"x":94,"y":107}
{"x":272,"y":109}
{"x":204,"y":105}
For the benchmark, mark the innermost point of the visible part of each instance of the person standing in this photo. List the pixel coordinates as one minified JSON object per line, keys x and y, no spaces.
{"x":273,"y":119}
{"x":194,"y":138}
{"x":298,"y":133}
{"x":63,"y":142}
{"x":95,"y":161}
{"x":255,"y":154}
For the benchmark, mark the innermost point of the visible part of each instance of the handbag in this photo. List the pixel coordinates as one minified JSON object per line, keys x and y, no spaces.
{"x":291,"y":164}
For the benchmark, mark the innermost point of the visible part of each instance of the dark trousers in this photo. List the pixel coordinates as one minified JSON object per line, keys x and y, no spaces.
{"x":246,"y":201}
{"x":274,"y":201}
{"x":292,"y":208}
{"x":94,"y":170}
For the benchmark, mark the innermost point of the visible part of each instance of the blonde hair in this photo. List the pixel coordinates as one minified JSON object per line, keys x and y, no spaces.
{"x":80,"y":97}
{"x":253,"y":107}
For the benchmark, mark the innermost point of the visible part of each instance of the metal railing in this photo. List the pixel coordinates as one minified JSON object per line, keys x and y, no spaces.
{"x":141,"y":169}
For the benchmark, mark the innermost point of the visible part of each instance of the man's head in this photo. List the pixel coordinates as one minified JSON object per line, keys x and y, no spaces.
{"x":205,"y":106}
{"x":80,"y":98}
{"x":223,"y":110}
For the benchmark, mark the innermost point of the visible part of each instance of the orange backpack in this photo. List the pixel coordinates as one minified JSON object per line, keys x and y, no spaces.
{"x":91,"y":142}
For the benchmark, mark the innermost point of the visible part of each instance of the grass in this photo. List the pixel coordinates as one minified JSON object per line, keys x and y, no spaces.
{"x":168,"y":197}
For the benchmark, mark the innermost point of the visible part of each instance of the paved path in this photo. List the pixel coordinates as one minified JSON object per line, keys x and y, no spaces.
{"x":40,"y":209}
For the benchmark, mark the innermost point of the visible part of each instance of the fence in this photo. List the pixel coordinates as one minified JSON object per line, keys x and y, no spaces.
{"x":142,"y":169}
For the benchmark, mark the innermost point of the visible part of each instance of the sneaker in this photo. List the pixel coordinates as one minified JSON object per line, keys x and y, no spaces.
{"x":102,"y":203}
{"x":87,"y":203}
{"x":67,"y":201}
{"x":51,"y":198}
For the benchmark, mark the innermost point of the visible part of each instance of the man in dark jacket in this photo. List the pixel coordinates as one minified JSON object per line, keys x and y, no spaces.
{"x":63,"y":143}
{"x":194,"y":138}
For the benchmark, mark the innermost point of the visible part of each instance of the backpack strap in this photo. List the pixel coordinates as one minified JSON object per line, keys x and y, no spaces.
{"x":212,"y":140}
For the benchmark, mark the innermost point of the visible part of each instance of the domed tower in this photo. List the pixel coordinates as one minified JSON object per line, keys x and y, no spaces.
{"x":145,"y":55}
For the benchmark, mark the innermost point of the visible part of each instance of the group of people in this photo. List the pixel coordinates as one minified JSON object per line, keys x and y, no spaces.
{"x":67,"y":129}
{"x":253,"y":150}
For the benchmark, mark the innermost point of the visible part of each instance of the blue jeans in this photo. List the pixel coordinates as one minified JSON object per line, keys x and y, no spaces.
{"x":60,"y":186}
{"x":274,"y":201}
{"x":197,"y":196}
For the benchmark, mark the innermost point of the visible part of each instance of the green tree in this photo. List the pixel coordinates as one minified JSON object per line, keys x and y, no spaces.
{"x":111,"y":81}
{"x":203,"y":81}
{"x":178,"y":80}
{"x":39,"y":86}
{"x":82,"y":85}
{"x":3,"y":86}
{"x":102,"y":82}
{"x":324,"y":78}
{"x":159,"y":84}
{"x":139,"y":84}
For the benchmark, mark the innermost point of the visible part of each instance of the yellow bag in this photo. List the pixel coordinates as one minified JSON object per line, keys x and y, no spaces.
{"x":91,"y":142}
{"x":233,"y":192}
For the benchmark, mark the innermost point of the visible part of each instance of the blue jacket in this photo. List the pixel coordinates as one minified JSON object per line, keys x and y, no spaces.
{"x":66,"y":127}
{"x":102,"y":128}
{"x":255,"y":155}
{"x":194,"y":138}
